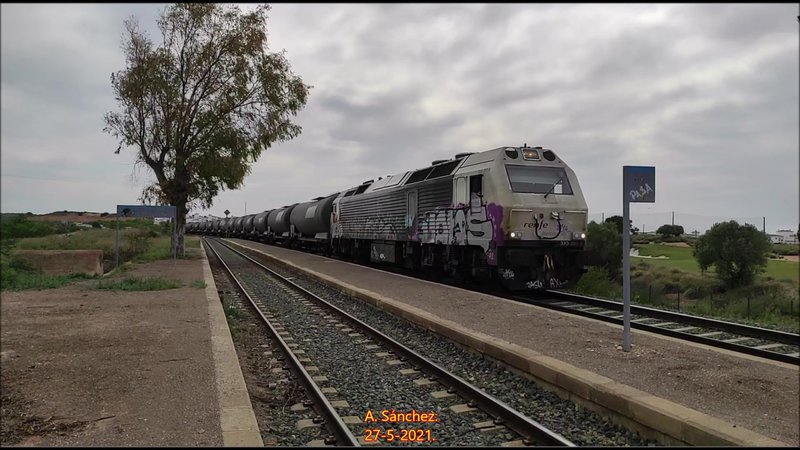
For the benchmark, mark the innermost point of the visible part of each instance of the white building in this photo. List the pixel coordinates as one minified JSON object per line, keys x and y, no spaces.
{"x":191,"y":218}
{"x":784,"y":237}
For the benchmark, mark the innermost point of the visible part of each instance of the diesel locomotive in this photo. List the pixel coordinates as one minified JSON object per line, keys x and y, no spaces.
{"x":516,"y":215}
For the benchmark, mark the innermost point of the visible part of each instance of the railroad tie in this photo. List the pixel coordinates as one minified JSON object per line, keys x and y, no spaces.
{"x":713,"y":333}
{"x":684,"y":329}
{"x":661,"y":324}
{"x":768,"y":346}
{"x":563,"y":304}
{"x":735,"y":340}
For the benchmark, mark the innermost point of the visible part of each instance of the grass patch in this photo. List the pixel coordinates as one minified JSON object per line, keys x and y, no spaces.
{"x":24,"y":281}
{"x":198,"y":284}
{"x":681,"y":258}
{"x":140,"y":284}
{"x":783,"y":271}
{"x":192,"y":241}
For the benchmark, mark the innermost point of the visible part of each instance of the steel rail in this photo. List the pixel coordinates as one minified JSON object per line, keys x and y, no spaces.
{"x":533,"y":431}
{"x":732,"y":327}
{"x":775,"y":356}
{"x":321,"y":404}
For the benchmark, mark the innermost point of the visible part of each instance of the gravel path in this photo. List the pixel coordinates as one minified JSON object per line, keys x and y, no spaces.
{"x":89,"y":367}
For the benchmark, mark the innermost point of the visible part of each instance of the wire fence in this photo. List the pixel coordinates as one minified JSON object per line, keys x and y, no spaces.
{"x":771,"y":305}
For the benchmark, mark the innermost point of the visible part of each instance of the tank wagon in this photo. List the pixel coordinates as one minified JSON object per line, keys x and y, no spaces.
{"x":512,"y":214}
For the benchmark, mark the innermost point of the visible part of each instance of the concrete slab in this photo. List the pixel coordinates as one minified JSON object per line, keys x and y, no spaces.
{"x":237,"y":419}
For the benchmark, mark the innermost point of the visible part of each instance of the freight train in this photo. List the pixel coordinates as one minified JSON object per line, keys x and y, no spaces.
{"x":516,"y":215}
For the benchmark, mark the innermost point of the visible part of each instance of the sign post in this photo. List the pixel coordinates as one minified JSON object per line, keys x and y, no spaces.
{"x":638,"y":186}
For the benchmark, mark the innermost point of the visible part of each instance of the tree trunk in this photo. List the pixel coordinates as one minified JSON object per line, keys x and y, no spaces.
{"x":180,"y":229}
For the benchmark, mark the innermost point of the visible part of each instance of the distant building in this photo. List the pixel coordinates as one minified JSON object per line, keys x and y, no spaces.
{"x":191,"y":218}
{"x":784,"y":237}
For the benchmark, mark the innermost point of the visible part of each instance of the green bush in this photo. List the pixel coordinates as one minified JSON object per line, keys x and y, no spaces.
{"x":597,"y":282}
{"x":786,"y":249}
{"x":737,"y":252}
{"x":20,"y":226}
{"x":604,"y":247}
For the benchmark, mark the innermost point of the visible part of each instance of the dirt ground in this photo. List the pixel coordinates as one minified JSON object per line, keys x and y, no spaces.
{"x":83,"y":366}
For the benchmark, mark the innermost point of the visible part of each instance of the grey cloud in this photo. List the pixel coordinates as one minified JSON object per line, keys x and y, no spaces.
{"x":396,"y":86}
{"x":739,"y":23}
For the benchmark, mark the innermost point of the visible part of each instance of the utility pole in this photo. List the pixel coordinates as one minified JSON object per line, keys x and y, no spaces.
{"x":673,"y":218}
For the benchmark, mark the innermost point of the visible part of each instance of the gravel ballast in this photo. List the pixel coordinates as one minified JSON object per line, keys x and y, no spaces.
{"x":577,"y":424}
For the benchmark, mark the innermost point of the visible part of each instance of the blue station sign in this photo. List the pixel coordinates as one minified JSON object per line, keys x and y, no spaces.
{"x":639,"y":183}
{"x":154,"y":211}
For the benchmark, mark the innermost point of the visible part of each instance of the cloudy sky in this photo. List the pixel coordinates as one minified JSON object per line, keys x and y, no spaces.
{"x":706,"y":93}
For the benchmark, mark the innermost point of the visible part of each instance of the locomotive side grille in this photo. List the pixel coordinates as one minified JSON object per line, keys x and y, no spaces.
{"x":382,"y":215}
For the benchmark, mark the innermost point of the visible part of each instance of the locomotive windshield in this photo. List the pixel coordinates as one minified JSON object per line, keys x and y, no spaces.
{"x":538,"y":180}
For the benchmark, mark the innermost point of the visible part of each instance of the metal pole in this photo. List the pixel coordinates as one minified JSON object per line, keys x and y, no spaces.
{"x":626,"y":273}
{"x":602,"y":217}
{"x":174,"y":241}
{"x":116,"y":245}
{"x":673,"y":218}
{"x":764,"y":224}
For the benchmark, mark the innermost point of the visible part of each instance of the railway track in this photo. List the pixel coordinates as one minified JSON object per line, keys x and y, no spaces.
{"x":294,"y":314}
{"x":762,"y":342}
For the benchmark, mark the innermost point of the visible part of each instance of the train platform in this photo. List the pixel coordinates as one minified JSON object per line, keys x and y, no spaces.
{"x":93,"y":367}
{"x":686,"y":392}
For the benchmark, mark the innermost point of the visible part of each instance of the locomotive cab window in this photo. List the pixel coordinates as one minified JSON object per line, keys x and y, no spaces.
{"x":475,"y":192}
{"x":538,"y":180}
{"x":476,"y":185}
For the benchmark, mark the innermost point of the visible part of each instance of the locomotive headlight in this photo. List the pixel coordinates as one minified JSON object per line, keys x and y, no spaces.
{"x":516,"y":235}
{"x":530,"y":154}
{"x":579,"y":235}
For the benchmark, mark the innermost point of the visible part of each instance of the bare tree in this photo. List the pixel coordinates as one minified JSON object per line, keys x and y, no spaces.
{"x":201,"y":107}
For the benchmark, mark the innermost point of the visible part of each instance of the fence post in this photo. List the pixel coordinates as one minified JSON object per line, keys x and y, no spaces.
{"x":748,"y":306}
{"x":679,"y":300}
